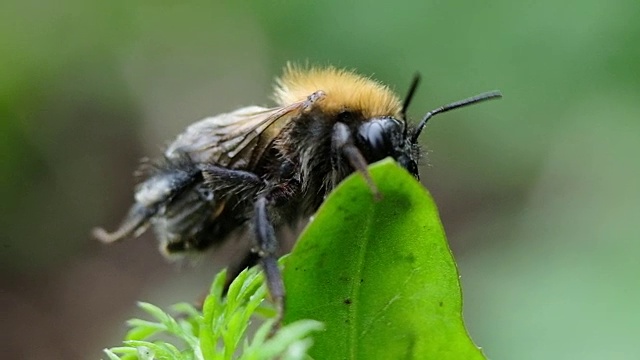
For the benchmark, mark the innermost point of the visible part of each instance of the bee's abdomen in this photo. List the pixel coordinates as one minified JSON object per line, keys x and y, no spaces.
{"x":190,"y":221}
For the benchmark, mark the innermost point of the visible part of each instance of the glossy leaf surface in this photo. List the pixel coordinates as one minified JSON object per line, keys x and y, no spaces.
{"x":378,"y":274}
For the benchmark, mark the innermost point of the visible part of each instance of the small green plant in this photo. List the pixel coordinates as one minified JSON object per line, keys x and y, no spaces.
{"x":219,"y":331}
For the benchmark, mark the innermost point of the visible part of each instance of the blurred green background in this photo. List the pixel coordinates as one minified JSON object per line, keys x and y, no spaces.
{"x":538,"y":192}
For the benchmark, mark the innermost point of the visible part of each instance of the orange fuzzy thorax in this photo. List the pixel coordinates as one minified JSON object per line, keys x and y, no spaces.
{"x":344,"y":90}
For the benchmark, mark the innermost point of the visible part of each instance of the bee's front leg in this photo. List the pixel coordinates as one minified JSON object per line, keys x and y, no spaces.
{"x":342,"y":146}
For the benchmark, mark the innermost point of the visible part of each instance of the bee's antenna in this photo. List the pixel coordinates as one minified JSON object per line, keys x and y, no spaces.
{"x":458,"y":104}
{"x":412,"y":91}
{"x":407,"y":100}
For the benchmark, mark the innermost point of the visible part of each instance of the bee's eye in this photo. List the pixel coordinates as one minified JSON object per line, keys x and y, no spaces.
{"x":376,"y":136}
{"x":373,"y":134}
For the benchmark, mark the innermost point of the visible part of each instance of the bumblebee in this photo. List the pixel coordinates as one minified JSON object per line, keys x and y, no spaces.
{"x":266,"y":168}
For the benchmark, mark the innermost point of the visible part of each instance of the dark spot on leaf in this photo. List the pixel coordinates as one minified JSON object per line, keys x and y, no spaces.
{"x":348,"y":301}
{"x":400,"y":203}
{"x":440,"y":303}
{"x":361,"y":281}
{"x":410,"y":258}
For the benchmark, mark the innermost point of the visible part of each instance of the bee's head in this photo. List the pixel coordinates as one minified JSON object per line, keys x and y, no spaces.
{"x":381,"y":137}
{"x":384,"y":136}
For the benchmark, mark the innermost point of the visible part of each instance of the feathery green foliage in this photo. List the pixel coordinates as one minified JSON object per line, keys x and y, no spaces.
{"x":219,"y":332}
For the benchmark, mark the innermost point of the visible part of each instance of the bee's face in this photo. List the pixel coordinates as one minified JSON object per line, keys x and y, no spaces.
{"x":385,"y":136}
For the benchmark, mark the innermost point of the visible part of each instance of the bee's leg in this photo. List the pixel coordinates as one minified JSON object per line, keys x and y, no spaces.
{"x":342,"y":144}
{"x":219,"y":178}
{"x":134,"y":223}
{"x":169,"y":178}
{"x":267,"y":247}
{"x":265,"y":241}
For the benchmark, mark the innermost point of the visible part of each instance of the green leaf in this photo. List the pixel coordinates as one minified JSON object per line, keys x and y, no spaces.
{"x":378,"y":274}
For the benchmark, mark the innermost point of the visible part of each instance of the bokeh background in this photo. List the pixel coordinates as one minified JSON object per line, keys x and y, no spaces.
{"x":538,"y":192}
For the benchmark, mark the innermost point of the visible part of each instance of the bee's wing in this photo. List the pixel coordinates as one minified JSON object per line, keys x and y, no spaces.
{"x":236,"y":139}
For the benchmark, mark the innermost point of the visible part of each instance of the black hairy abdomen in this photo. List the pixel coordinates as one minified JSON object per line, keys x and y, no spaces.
{"x":189,"y":213}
